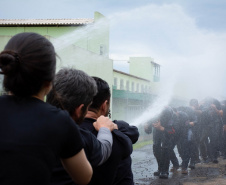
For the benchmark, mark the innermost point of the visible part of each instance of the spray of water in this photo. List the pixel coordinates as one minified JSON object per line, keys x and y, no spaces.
{"x":165,"y":91}
{"x":78,"y":34}
{"x":163,"y":99}
{"x":182,"y":45}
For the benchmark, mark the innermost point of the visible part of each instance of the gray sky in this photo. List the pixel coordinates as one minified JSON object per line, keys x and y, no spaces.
{"x":187,"y":37}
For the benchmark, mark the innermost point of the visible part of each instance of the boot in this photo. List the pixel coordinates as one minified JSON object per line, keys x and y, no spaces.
{"x":157,"y":173}
{"x":184,"y":171}
{"x":163,"y":175}
{"x":192,"y":166}
{"x":215,"y":161}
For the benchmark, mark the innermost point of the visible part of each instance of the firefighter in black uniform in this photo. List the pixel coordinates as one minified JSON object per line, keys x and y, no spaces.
{"x":163,"y":132}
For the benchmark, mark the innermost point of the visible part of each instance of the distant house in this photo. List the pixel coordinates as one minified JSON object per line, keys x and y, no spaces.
{"x":134,"y":92}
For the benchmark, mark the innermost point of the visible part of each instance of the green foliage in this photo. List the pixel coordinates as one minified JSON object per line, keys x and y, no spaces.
{"x":141,"y":144}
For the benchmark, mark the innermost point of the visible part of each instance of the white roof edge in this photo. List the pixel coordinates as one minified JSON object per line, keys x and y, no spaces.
{"x":45,"y":21}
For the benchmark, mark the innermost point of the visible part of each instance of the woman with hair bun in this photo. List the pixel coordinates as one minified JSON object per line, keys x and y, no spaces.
{"x":33,"y":134}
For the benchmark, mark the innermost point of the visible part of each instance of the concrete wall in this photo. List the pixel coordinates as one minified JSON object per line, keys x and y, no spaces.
{"x":92,"y":37}
{"x":144,"y":85}
{"x":129,"y":103}
{"x":141,"y":67}
{"x":91,"y":63}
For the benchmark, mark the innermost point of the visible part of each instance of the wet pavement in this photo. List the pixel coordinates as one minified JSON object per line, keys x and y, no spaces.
{"x":144,"y":165}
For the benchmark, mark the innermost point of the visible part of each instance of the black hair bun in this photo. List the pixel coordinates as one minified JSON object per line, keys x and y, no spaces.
{"x":8,"y":62}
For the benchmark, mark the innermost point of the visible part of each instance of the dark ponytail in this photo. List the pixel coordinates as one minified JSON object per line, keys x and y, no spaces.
{"x":9,"y":62}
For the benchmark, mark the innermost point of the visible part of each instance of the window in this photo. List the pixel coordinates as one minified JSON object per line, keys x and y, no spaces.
{"x":146,"y":89}
{"x":102,"y":49}
{"x":149,"y":89}
{"x":121,"y":84}
{"x":115,"y":82}
{"x":137,"y":90}
{"x":127,"y":85}
{"x":156,"y":70}
{"x":142,"y":88}
{"x":132,"y":88}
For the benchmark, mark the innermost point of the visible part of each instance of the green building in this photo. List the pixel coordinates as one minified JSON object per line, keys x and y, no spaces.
{"x":79,"y":43}
{"x":134,"y":92}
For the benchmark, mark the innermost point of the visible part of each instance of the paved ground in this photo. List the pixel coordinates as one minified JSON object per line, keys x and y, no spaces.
{"x":144,"y":164}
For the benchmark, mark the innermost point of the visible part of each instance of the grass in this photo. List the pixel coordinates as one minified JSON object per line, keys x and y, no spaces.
{"x":141,"y":144}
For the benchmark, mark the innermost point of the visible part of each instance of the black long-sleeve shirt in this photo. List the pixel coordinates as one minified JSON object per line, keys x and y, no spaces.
{"x":121,"y":149}
{"x":124,"y":175}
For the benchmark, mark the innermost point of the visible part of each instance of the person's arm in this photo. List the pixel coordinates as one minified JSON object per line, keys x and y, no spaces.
{"x":168,"y":130}
{"x":219,"y":111}
{"x":104,"y":126}
{"x":131,"y":131}
{"x":78,"y":168}
{"x":148,"y":128}
{"x":97,"y":148}
{"x":125,"y":142}
{"x":224,"y":118}
{"x":158,"y":126}
{"x":105,"y":138}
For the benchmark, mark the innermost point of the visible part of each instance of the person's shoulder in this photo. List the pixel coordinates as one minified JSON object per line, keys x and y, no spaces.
{"x":122,"y":123}
{"x":122,"y":143}
{"x":88,"y":120}
{"x":56,"y":110}
{"x":86,"y":133}
{"x":5,"y":98}
{"x":88,"y":137}
{"x":117,"y":134}
{"x":87,"y":124}
{"x":59,"y":115}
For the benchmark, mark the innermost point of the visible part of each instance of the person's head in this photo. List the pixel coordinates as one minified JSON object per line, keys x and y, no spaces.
{"x":166,"y":116}
{"x":194,"y":103}
{"x":101,"y":102}
{"x":28,"y":63}
{"x":223,"y":102}
{"x":73,"y":90}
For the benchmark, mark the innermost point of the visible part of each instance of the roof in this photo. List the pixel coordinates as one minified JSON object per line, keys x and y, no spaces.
{"x":44,"y":22}
{"x":131,"y":75}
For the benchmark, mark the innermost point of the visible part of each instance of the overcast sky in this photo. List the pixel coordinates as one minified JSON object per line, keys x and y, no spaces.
{"x":186,"y":37}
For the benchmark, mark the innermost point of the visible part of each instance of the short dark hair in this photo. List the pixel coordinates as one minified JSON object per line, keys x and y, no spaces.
{"x":72,"y":88}
{"x":27,"y":61}
{"x":102,"y":95}
{"x":166,"y":116}
{"x":193,"y":102}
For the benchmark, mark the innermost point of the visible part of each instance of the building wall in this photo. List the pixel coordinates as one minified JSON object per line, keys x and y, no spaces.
{"x":91,"y":37}
{"x":92,"y":63}
{"x":129,"y":83}
{"x":129,"y":103}
{"x":141,"y":67}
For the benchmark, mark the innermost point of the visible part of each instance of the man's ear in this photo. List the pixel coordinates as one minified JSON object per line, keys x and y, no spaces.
{"x":77,"y":112}
{"x":104,"y":106}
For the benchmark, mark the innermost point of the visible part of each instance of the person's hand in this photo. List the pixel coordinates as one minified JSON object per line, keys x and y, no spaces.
{"x":193,"y":107}
{"x":103,"y":121}
{"x":224,"y":128}
{"x":116,"y":126}
{"x":191,"y":123}
{"x":213,"y":107}
{"x":148,"y":128}
{"x":158,"y":126}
